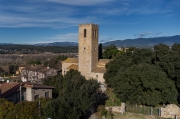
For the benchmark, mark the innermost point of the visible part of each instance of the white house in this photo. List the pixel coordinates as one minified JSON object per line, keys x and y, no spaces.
{"x":36,"y":73}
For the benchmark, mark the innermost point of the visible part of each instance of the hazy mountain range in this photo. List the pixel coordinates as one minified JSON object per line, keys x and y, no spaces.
{"x":145,"y":42}
{"x":139,"y":42}
{"x":58,"y":44}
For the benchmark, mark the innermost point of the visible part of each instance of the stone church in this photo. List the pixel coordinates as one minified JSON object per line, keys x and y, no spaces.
{"x":87,"y":62}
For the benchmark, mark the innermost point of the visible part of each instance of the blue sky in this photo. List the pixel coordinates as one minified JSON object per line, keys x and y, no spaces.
{"x":46,"y":21}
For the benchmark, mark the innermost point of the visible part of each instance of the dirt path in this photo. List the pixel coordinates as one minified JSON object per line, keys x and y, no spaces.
{"x":93,"y":116}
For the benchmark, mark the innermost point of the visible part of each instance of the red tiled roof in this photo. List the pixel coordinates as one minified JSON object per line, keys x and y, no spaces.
{"x":12,"y":87}
{"x":71,"y":60}
{"x":73,"y":66}
{"x":99,"y":70}
{"x":102,"y":62}
{"x":9,"y":88}
{"x":35,"y":85}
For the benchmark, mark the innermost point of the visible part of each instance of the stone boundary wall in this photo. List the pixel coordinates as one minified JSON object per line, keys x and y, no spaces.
{"x":119,"y":109}
{"x":170,"y":111}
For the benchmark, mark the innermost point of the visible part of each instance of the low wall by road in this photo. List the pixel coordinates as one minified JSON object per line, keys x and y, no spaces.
{"x":169,"y":111}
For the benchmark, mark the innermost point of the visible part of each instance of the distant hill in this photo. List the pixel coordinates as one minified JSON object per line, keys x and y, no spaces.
{"x":58,"y":44}
{"x":145,"y":42}
{"x":6,"y":43}
{"x":139,"y":42}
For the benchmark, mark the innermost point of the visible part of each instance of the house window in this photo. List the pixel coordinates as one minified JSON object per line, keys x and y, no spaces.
{"x":84,"y":32}
{"x":36,"y":97}
{"x":33,"y":91}
{"x":84,"y":48}
{"x":96,"y":76}
{"x":47,"y":94}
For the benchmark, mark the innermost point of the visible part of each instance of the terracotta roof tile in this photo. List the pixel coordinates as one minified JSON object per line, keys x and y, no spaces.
{"x":71,"y":60}
{"x":9,"y":88}
{"x":99,"y":70}
{"x":73,"y":66}
{"x":102,"y":62}
{"x":35,"y":85}
{"x":12,"y":87}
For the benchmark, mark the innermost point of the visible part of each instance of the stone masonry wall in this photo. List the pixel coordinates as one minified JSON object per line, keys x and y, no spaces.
{"x":170,"y":111}
{"x":64,"y":66}
{"x":99,"y":77}
{"x":118,"y":109}
{"x":88,"y":48}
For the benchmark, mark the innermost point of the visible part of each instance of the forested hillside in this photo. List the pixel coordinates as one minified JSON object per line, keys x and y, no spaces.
{"x":145,"y":42}
{"x":31,"y":49}
{"x":145,"y":76}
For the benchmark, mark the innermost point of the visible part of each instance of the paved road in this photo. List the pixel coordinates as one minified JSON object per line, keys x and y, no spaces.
{"x":93,"y":116}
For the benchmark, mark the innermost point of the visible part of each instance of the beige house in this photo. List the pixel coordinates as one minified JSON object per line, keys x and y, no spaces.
{"x":16,"y":92}
{"x":36,"y":73}
{"x":87,"y":62}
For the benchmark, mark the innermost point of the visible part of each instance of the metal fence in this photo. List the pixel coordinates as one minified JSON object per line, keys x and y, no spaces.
{"x":153,"y":111}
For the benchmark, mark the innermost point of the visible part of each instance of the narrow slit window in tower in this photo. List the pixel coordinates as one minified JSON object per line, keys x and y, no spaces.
{"x":94,"y":33}
{"x":84,"y":32}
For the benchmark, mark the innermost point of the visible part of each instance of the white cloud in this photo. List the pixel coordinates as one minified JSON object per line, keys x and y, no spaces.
{"x":81,"y":2}
{"x":38,"y":13}
{"x":149,"y":32}
{"x":158,"y":33}
{"x":68,"y":37}
{"x":16,"y":20}
{"x":129,"y":11}
{"x":128,"y":7}
{"x":32,"y":15}
{"x":103,"y":39}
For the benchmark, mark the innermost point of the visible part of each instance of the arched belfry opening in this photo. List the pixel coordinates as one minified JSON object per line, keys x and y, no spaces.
{"x":95,"y":34}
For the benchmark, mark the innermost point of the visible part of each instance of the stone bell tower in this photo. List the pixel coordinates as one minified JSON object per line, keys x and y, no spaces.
{"x":88,"y":48}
